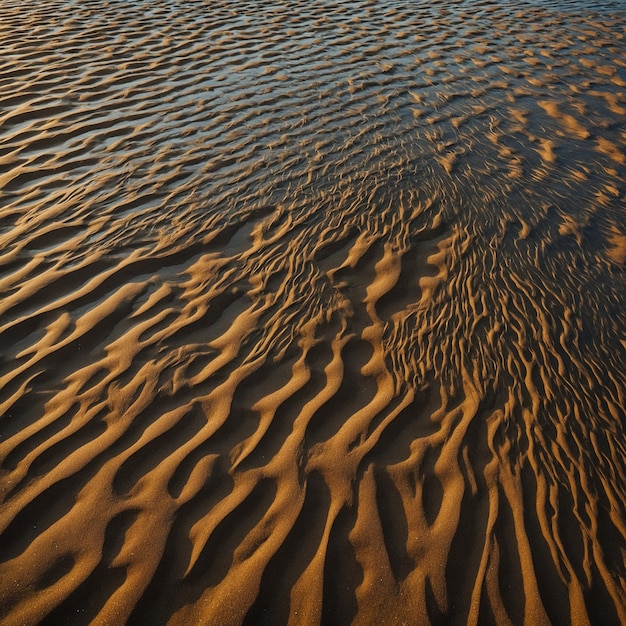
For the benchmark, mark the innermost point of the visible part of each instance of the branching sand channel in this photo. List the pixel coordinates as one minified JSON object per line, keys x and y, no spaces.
{"x":312,"y":312}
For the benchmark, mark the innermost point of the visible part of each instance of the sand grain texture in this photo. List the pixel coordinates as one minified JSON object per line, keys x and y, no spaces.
{"x":312,"y":312}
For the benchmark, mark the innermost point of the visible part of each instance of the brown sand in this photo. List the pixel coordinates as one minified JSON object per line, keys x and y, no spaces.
{"x":312,"y":312}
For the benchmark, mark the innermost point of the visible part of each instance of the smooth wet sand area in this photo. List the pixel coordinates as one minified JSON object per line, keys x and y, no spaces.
{"x":312,"y":313}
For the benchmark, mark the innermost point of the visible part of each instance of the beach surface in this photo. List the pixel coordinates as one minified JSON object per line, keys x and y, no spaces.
{"x":312,"y":312}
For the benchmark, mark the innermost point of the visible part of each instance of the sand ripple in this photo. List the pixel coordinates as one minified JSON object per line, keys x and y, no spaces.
{"x":312,"y":312}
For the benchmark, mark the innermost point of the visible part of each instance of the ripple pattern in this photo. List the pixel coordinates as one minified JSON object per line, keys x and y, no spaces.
{"x":312,"y":312}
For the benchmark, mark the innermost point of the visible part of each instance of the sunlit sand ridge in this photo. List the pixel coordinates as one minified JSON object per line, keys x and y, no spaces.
{"x":312,"y":312}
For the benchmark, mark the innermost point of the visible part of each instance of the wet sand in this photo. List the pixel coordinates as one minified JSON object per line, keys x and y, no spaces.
{"x":312,"y":312}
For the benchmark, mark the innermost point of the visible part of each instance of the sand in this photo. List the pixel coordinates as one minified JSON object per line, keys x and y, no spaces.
{"x":312,"y":312}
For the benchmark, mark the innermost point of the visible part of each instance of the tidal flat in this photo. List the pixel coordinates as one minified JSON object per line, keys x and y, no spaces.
{"x":312,"y":312}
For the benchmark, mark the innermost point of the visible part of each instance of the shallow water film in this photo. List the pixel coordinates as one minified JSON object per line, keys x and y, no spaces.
{"x":312,"y":312}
